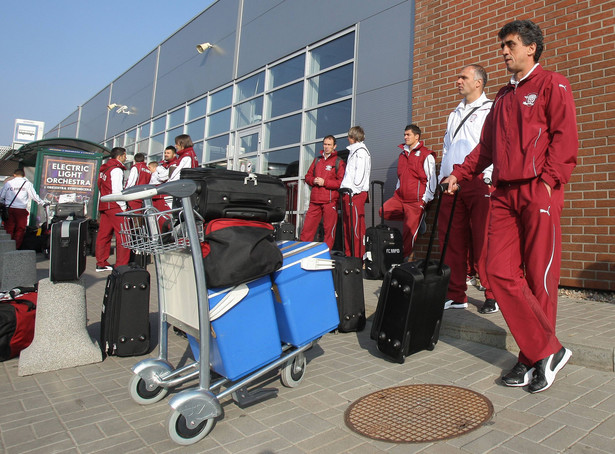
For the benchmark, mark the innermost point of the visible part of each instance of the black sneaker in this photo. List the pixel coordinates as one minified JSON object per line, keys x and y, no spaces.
{"x":490,"y":307}
{"x":520,"y":375}
{"x":547,"y":368}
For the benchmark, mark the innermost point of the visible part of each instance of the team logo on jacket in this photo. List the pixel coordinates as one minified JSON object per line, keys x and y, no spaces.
{"x":530,"y":99}
{"x":328,"y":168}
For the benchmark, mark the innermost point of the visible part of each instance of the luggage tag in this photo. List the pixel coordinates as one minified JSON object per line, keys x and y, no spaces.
{"x":316,"y":264}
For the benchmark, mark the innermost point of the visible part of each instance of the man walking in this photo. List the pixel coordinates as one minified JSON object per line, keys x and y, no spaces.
{"x":111,"y":181}
{"x":469,"y":227}
{"x":530,"y":136}
{"x":15,"y":195}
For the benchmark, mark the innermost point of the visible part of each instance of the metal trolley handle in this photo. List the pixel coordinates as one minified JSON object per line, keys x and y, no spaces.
{"x":179,"y":188}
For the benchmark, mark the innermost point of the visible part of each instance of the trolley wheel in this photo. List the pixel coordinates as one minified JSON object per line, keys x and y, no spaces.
{"x":181,"y":434}
{"x":143,"y":396}
{"x":294,"y":370}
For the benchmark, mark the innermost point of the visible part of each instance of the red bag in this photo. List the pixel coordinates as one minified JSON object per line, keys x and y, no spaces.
{"x":16,"y":324}
{"x":237,"y":251}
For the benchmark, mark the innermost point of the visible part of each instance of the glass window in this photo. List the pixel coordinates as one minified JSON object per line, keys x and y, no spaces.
{"x":131,"y":137}
{"x":173,"y":133}
{"x":215,"y":148}
{"x":288,"y":71}
{"x":221,"y":99}
{"x":157,"y":145}
{"x":285,"y":100}
{"x":249,"y":164}
{"x":155,"y":157}
{"x":196,"y":129}
{"x":198,"y":151}
{"x":332,"y":53}
{"x":159,"y":124}
{"x":177,"y":117}
{"x":330,"y":85}
{"x":143,"y":146}
{"x":282,"y":163}
{"x":332,"y":119}
{"x":248,"y":143}
{"x":130,"y":150}
{"x":251,"y":86}
{"x":197,"y":109}
{"x":217,"y":165}
{"x":284,"y":131}
{"x":249,"y":112}
{"x":144,"y":130}
{"x":219,"y":122}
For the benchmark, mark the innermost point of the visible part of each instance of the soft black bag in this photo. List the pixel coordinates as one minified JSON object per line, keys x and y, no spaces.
{"x":4,"y":213}
{"x":236,"y":251}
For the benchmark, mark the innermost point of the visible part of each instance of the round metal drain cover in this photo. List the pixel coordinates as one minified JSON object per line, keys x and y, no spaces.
{"x":418,"y":413}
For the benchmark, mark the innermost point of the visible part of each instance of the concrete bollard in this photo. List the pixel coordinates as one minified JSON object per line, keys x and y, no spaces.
{"x":18,"y":269}
{"x":6,"y":246}
{"x":61,"y":339}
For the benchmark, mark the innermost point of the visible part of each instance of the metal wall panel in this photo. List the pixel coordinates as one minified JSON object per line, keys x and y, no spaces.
{"x":68,"y":127}
{"x":133,"y":89}
{"x":183,"y":73}
{"x":293,"y":24}
{"x":94,"y":117}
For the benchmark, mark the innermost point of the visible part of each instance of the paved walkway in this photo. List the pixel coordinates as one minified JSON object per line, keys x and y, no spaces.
{"x":87,"y":409}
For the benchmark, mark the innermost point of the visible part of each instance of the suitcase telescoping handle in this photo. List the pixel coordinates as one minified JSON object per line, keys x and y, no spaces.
{"x":348,"y":191}
{"x":381,"y":184}
{"x":442,"y":189}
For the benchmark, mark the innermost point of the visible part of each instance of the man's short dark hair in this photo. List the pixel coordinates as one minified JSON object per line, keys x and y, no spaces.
{"x":171,"y":147}
{"x":479,"y":73}
{"x":139,"y":157}
{"x":19,"y":173}
{"x":414,"y":128}
{"x":528,"y":32}
{"x":116,"y":152}
{"x":330,"y":137}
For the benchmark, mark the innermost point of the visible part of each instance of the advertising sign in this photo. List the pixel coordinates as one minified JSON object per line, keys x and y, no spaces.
{"x":27,"y":131}
{"x":68,"y":179}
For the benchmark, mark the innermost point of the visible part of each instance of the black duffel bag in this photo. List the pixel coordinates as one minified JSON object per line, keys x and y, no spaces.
{"x":231,"y":194}
{"x":237,"y":251}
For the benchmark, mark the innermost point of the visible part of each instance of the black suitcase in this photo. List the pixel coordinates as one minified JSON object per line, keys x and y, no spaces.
{"x":411,"y":302}
{"x":384,"y":246}
{"x":124,"y":322}
{"x":285,"y":230}
{"x":67,"y":253}
{"x":232,"y":194}
{"x":348,"y":282}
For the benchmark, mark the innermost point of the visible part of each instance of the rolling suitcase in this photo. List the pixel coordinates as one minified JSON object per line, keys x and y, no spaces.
{"x":124,"y":322}
{"x":384,"y":245}
{"x":232,"y":194}
{"x":285,"y":230}
{"x":411,"y":302}
{"x":67,"y":253}
{"x":348,"y":282}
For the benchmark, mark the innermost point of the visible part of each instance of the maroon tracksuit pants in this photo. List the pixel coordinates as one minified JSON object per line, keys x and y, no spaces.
{"x":316,"y":211}
{"x":411,"y":213}
{"x":110,"y":224}
{"x":523,"y":263}
{"x":356,"y":231}
{"x":468,"y":230}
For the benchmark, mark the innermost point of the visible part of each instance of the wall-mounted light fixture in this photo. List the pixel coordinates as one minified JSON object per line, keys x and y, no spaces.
{"x":121,"y":108}
{"x":203,"y":47}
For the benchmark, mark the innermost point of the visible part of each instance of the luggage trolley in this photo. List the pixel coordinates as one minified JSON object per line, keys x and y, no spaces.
{"x":194,"y":410}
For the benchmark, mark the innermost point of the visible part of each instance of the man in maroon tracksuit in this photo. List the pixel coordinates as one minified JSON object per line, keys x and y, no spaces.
{"x":530,"y":136}
{"x":416,"y":173}
{"x":324,"y":176}
{"x":139,"y":174}
{"x":111,"y":181}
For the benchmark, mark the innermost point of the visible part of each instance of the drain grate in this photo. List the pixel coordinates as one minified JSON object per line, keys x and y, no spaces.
{"x":418,"y":413}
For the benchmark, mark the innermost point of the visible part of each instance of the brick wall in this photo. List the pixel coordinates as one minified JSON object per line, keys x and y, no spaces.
{"x":579,"y":37}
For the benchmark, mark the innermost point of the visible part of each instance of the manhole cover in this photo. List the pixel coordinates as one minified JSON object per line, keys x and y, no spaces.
{"x":418,"y":413}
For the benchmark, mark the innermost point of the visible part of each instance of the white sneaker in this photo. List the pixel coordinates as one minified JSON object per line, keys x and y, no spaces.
{"x":450,"y":304}
{"x":471,"y":280}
